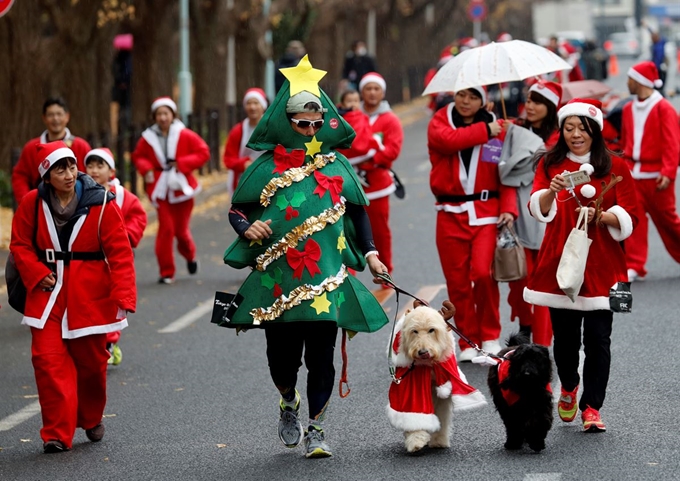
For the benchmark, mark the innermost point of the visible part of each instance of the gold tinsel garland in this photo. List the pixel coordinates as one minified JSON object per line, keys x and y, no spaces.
{"x":305,"y":292}
{"x":308,"y":227}
{"x":295,"y":174}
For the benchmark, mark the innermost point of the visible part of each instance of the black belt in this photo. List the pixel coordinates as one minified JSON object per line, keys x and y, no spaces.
{"x":483,"y":196}
{"x":50,"y":255}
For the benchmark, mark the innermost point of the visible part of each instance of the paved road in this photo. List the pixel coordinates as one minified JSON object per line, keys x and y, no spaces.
{"x":197,"y":402}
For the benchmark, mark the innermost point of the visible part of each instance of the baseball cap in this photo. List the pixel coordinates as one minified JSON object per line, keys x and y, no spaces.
{"x":296,"y":104}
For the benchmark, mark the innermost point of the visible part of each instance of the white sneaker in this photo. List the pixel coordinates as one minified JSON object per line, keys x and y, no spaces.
{"x":492,"y":347}
{"x":467,"y":355}
{"x":634,"y":276}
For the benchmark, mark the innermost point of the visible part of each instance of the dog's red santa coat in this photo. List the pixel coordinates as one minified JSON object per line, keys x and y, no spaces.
{"x":411,"y":407}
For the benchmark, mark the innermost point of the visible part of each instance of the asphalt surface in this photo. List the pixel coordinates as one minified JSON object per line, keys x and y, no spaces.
{"x":198,"y":404}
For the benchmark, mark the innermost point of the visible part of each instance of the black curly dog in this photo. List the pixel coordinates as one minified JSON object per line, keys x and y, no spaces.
{"x":523,"y":398}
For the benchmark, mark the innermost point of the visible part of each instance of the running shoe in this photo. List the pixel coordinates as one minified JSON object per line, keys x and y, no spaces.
{"x":566,"y":406}
{"x":290,"y":428}
{"x":592,"y":423}
{"x":315,"y":444}
{"x":116,"y":355}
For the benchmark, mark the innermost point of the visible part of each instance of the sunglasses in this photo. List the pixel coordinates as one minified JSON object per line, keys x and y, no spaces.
{"x":304,"y":124}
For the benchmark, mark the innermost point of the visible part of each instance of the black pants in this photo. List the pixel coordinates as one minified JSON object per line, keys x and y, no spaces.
{"x":285,"y":343}
{"x":597,"y":330}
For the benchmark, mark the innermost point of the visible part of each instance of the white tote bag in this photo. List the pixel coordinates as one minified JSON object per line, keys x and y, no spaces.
{"x":572,"y":266}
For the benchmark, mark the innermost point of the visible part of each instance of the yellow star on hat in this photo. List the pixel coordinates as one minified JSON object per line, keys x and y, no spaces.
{"x":321,"y":304}
{"x":304,"y":77}
{"x":313,"y":147}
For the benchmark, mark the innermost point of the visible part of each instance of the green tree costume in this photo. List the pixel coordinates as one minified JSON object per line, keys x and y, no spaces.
{"x":301,"y":272}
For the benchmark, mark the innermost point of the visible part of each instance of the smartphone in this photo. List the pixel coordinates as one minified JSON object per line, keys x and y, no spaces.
{"x":576,"y":178}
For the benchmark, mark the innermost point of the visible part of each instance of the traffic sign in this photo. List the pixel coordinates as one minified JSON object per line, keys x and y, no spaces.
{"x":477,"y":10}
{"x":5,"y":5}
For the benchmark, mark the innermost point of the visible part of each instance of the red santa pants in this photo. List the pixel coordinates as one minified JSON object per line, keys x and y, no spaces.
{"x":660,"y":205}
{"x":536,"y":317}
{"x":466,"y":255}
{"x":173,"y":221}
{"x":379,"y":215}
{"x":71,"y":378}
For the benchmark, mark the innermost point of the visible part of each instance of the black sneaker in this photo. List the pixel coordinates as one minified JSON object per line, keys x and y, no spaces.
{"x":54,"y":446}
{"x":166,"y":280}
{"x":192,"y":267}
{"x":96,"y":433}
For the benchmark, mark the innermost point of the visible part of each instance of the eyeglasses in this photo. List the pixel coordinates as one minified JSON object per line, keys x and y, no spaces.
{"x":304,"y":124}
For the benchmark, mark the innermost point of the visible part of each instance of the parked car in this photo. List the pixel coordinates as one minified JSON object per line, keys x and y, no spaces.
{"x":623,"y":44}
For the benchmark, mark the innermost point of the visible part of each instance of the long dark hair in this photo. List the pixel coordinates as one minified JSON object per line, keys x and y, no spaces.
{"x":549,"y":123}
{"x":600,"y":155}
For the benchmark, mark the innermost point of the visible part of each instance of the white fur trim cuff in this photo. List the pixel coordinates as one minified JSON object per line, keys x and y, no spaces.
{"x":625,"y":222}
{"x":468,"y":402}
{"x":444,"y":390}
{"x":413,"y":421}
{"x":535,"y":207}
{"x":560,"y":301}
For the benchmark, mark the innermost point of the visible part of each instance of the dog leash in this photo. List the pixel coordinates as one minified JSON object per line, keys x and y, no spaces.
{"x":390,"y":283}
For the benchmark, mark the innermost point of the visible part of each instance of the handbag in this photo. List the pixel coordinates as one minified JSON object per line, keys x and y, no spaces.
{"x":16,"y":290}
{"x":509,"y":259}
{"x":621,"y":298}
{"x":224,"y":307}
{"x":572,"y":266}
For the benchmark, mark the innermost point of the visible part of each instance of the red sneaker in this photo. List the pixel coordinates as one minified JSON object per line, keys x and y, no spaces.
{"x":566,"y":406}
{"x":592,"y":423}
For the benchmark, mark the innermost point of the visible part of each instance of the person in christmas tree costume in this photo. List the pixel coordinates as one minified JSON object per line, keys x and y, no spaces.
{"x":299,"y":212}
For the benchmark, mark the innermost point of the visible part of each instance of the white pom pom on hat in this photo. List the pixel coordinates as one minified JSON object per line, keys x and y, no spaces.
{"x":588,"y":191}
{"x":587,"y":168}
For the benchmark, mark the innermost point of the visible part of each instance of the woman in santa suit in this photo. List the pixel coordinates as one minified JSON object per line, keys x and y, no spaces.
{"x":166,"y":155}
{"x":72,"y":252}
{"x":471,"y":204}
{"x":524,"y":138}
{"x":237,"y":157}
{"x":581,"y":147}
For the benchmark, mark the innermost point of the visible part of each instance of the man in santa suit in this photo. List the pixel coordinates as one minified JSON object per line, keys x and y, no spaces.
{"x":166,"y":155}
{"x":237,"y":157}
{"x":375,"y":172}
{"x":650,"y":137}
{"x":55,"y":116}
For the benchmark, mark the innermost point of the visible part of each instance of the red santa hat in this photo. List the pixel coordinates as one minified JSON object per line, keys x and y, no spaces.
{"x":257,"y":94}
{"x":550,"y":90}
{"x":104,"y":154}
{"x":164,"y":102}
{"x":51,"y":153}
{"x":504,"y":37}
{"x":445,"y":55}
{"x":467,"y":43}
{"x":590,"y":108}
{"x":372,"y":77}
{"x":480,"y":91}
{"x":645,"y":73}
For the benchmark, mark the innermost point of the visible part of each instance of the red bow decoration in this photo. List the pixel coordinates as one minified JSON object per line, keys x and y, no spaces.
{"x":308,"y":258}
{"x":284,"y":160}
{"x":332,"y":184}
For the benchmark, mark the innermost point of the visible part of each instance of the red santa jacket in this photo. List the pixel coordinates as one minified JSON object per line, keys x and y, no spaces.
{"x":365,"y":144}
{"x":184,"y":146}
{"x":236,"y":154}
{"x":25,"y":176}
{"x":411,"y":406}
{"x":606,"y":264}
{"x":98,"y":292}
{"x":448,"y":176}
{"x":650,"y":137}
{"x":133,"y":212}
{"x":375,"y":171}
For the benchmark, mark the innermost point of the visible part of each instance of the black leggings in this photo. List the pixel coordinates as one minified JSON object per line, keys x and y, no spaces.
{"x":597,"y":331}
{"x":285,"y":343}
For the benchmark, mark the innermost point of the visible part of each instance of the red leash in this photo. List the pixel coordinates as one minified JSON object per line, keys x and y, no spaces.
{"x":343,"y":375}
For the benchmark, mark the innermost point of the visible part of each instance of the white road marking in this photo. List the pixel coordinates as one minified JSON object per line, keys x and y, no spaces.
{"x":20,"y":416}
{"x":426,"y":293}
{"x":189,"y":318}
{"x":543,"y":477}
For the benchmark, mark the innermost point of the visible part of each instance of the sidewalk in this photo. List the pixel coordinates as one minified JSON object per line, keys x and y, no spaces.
{"x":212,"y":184}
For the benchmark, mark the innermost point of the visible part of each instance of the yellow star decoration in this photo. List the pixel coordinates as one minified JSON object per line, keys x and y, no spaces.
{"x":304,"y":77}
{"x":255,"y":241}
{"x":313,"y":147}
{"x":321,"y":304}
{"x":342,"y":243}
